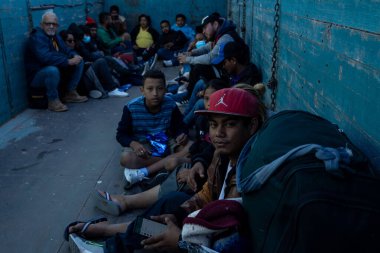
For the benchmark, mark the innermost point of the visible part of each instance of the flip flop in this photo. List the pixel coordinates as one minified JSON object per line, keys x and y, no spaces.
{"x":106,"y":204}
{"x":85,"y":227}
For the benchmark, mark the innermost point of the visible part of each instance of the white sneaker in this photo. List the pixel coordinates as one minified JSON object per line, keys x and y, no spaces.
{"x":95,"y":94}
{"x":146,"y":68}
{"x":182,"y":88}
{"x":167,"y":63}
{"x":153,"y":62}
{"x":133,"y":176}
{"x":117,"y":93}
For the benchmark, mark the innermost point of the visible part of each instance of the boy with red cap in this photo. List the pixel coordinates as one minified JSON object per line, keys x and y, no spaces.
{"x":234,"y":116}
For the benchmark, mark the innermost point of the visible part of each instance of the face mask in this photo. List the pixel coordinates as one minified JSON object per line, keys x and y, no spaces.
{"x":86,"y":39}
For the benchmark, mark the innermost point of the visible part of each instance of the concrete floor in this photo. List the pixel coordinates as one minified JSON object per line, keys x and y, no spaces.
{"x":50,"y":163}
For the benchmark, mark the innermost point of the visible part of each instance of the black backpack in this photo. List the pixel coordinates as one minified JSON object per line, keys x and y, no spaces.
{"x":37,"y":98}
{"x":302,"y":204}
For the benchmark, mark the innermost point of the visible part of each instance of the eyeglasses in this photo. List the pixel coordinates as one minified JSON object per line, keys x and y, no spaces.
{"x":70,"y":41}
{"x":51,"y":24}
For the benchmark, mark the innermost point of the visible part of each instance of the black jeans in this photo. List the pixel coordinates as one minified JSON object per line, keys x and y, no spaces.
{"x":104,"y":75}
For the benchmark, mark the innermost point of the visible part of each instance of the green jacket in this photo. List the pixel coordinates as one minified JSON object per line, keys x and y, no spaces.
{"x":108,"y":38}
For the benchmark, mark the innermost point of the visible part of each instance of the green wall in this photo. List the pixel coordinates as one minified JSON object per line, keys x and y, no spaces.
{"x":328,"y":60}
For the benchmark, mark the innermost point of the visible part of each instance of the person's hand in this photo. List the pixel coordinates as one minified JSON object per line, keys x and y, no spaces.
{"x":182,"y":58}
{"x":75,"y":60}
{"x":182,"y":175}
{"x":139,"y":149}
{"x":169,"y":45}
{"x":125,"y":36}
{"x":168,"y":240}
{"x":196,"y":170}
{"x":182,"y":139}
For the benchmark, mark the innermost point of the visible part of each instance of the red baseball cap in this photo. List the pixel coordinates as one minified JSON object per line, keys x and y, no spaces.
{"x":233,"y":101}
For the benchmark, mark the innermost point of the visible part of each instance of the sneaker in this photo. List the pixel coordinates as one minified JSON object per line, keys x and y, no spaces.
{"x":151,"y":182}
{"x":146,"y":68}
{"x":153,"y":61}
{"x":117,"y":93}
{"x":74,"y":97}
{"x":57,"y":106}
{"x":78,"y":244}
{"x":182,"y":88}
{"x":183,"y":102}
{"x":95,"y":94}
{"x":133,"y":176}
{"x":167,"y":63}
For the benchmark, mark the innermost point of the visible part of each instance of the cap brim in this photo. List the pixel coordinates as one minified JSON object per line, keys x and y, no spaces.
{"x":207,"y":112}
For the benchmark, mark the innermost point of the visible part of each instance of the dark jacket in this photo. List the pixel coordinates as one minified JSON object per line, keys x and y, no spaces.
{"x":151,"y":30}
{"x":40,"y":53}
{"x":89,"y":51}
{"x":250,"y":75}
{"x":177,"y":37}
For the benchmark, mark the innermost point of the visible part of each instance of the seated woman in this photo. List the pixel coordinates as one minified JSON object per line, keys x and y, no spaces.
{"x":144,"y":38}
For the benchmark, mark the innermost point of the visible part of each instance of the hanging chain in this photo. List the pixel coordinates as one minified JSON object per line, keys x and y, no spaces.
{"x":244,"y":17}
{"x":272,"y":84}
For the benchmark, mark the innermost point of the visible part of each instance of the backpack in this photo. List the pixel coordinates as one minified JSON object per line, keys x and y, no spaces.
{"x":307,"y":188}
{"x":37,"y":98}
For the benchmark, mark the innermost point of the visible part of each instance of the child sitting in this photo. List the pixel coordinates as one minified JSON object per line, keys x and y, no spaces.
{"x":146,"y":119}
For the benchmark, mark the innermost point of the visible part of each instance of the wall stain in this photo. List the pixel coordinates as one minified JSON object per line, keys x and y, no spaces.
{"x":54,"y":141}
{"x":25,"y":167}
{"x":43,"y":153}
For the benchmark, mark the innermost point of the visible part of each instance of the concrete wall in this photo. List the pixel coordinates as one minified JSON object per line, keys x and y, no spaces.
{"x":17,"y":17}
{"x":328,"y":60}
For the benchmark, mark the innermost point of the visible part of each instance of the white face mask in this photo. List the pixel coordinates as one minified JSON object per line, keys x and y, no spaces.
{"x":86,"y":39}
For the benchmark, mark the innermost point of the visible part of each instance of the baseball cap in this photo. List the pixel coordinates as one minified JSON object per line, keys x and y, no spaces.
{"x":90,"y":22}
{"x":210,"y":18}
{"x":228,"y":50}
{"x":232,"y":101}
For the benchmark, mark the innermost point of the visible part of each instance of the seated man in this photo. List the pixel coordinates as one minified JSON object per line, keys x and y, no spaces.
{"x":119,"y":23}
{"x":218,"y":31}
{"x":48,"y":60}
{"x":110,"y":42}
{"x":180,"y":25}
{"x":171,"y":43}
{"x":145,"y":119}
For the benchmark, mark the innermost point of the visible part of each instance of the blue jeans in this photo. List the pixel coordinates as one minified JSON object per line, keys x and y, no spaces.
{"x":167,"y":54}
{"x":179,"y":97}
{"x":200,"y":85}
{"x":189,"y":118}
{"x":49,"y":77}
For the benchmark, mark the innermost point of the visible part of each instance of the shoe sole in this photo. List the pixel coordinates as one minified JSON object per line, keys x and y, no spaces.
{"x":75,"y":101}
{"x":79,"y":245}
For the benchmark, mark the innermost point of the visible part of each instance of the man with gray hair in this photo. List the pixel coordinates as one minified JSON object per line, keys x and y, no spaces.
{"x":48,"y":60}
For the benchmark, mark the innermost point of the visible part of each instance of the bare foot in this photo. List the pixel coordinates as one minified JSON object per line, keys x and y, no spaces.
{"x":118,"y":199}
{"x":96,"y":230}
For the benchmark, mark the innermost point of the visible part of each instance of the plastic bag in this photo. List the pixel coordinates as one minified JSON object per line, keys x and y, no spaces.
{"x":158,"y":142}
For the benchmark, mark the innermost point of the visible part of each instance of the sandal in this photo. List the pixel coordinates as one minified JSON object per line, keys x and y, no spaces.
{"x":106,"y":204}
{"x":85,"y":227}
